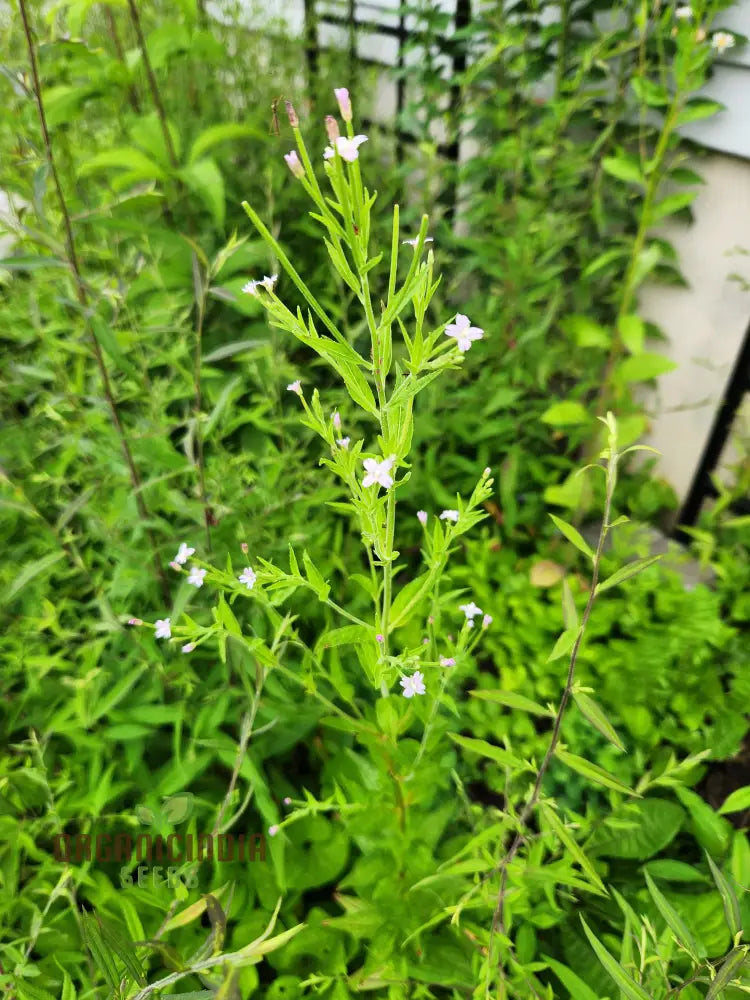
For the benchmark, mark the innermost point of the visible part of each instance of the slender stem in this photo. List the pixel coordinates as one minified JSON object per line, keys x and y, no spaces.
{"x":200,"y":305}
{"x":84,"y":301}
{"x":115,"y":35}
{"x":498,"y":916}
{"x":153,"y":85}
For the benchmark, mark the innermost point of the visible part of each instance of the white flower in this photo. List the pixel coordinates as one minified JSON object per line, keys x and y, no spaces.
{"x":247,"y":576}
{"x":378,"y":472}
{"x":343,"y":443}
{"x":163,"y":628}
{"x":422,"y":516}
{"x":183,"y":554}
{"x":295,"y":387}
{"x":464,"y":332}
{"x":251,"y":288}
{"x":449,"y":515}
{"x":470,"y":610}
{"x":682,"y":13}
{"x":347,"y":148}
{"x":196,"y":576}
{"x":413,"y":685}
{"x":722,"y":40}
{"x":413,"y":243}
{"x":269,"y":282}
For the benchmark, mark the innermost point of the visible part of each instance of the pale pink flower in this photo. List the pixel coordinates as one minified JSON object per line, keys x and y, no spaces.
{"x":244,"y":547}
{"x":295,"y":387}
{"x":183,"y":554}
{"x":380,"y":637}
{"x":378,"y":472}
{"x":247,"y":576}
{"x":293,"y":162}
{"x":196,"y":576}
{"x":463,"y":332}
{"x":471,"y":610}
{"x":332,"y":128}
{"x":336,"y":421}
{"x":345,"y":104}
{"x":422,"y":516}
{"x":343,"y":442}
{"x":188,"y":647}
{"x":163,"y":628}
{"x":449,"y":515}
{"x":447,"y":661}
{"x":135,"y":621}
{"x":486,"y":621}
{"x":287,"y":800}
{"x":347,"y":148}
{"x":175,"y":566}
{"x":273,"y":829}
{"x":413,"y":685}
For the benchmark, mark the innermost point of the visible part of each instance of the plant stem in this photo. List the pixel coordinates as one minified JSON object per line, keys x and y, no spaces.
{"x":153,"y":85}
{"x":84,"y":300}
{"x":200,"y":306}
{"x":497,"y":919}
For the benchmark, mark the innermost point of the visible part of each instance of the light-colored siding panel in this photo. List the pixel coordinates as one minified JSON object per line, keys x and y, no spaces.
{"x":729,"y":130}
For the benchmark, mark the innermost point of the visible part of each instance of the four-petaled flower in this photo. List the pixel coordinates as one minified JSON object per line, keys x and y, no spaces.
{"x":422,"y":516}
{"x":345,"y":104}
{"x":247,"y":576}
{"x":447,"y":661}
{"x":413,"y":685}
{"x":183,"y":554}
{"x":449,"y":515}
{"x":196,"y":576}
{"x":464,"y":332}
{"x":413,"y":243}
{"x":163,"y":628}
{"x":347,"y":148}
{"x":295,"y":387}
{"x":343,"y":443}
{"x":722,"y":40}
{"x":378,"y":472}
{"x":293,"y":162}
{"x":470,"y":610}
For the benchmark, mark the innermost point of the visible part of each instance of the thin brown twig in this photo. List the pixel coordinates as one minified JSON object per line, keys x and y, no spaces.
{"x":498,"y":916}
{"x":83,"y":299}
{"x":153,"y":85}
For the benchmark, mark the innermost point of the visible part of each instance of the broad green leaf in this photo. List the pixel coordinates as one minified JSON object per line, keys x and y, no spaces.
{"x":632,"y":332}
{"x":652,"y":825}
{"x":671,"y":204}
{"x":642,"y":367}
{"x":570,"y":614}
{"x":573,"y":535}
{"x":697,"y":109}
{"x":738,"y":801}
{"x":500,"y":756}
{"x":630,"y":988}
{"x":123,"y":158}
{"x":711,"y":831}
{"x":623,"y":168}
{"x":650,"y":92}
{"x":625,"y":573}
{"x":513,"y":700}
{"x":595,"y":715}
{"x":408,"y":599}
{"x":216,"y":134}
{"x":566,"y":413}
{"x":674,"y":871}
{"x":593,"y":772}
{"x":587,"y":332}
{"x":206,"y":180}
{"x":674,"y":921}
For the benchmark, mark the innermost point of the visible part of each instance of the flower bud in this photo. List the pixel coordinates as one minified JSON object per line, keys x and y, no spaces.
{"x":291,"y":114}
{"x":332,"y":128}
{"x":345,"y":105}
{"x":293,"y":162}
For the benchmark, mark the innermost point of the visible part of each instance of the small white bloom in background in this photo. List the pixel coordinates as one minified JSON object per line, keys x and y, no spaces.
{"x":287,"y":800}
{"x":295,"y":387}
{"x":413,"y":243}
{"x":135,"y":621}
{"x":247,"y":576}
{"x":470,"y":610}
{"x":447,"y":661}
{"x":463,"y":332}
{"x":336,"y":421}
{"x":188,"y":647}
{"x":273,"y":830}
{"x":347,"y":148}
{"x":413,"y":685}
{"x":449,"y":515}
{"x":345,"y":104}
{"x":251,"y":288}
{"x":343,"y":443}
{"x":163,"y":628}
{"x":682,"y":13}
{"x":721,"y":41}
{"x":183,"y":554}
{"x":486,"y":621}
{"x":196,"y":576}
{"x":293,"y":162}
{"x":378,"y":472}
{"x":422,"y":516}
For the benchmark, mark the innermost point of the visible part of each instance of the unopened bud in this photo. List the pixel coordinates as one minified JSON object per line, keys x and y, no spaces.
{"x":293,"y":162}
{"x":332,"y":128}
{"x":345,"y":105}
{"x":244,"y":547}
{"x":291,"y":114}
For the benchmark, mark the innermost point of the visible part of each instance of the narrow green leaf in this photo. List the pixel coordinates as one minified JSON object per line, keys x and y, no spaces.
{"x":630,"y":988}
{"x":728,"y":898}
{"x":595,"y":715}
{"x":514,"y":700}
{"x":738,"y":801}
{"x":500,"y":756}
{"x":625,"y":572}
{"x":728,"y":971}
{"x":574,"y":849}
{"x":674,"y":921}
{"x":575,"y":986}
{"x":315,"y":578}
{"x":30,"y":571}
{"x":594,"y":773}
{"x":564,"y":644}
{"x":573,"y":535}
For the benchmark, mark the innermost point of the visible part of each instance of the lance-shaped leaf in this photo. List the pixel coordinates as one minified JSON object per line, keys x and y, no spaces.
{"x":498,"y":754}
{"x":728,"y":897}
{"x":513,"y":700}
{"x":675,"y":922}
{"x":593,"y":772}
{"x":631,"y":990}
{"x":595,"y":715}
{"x":728,"y":972}
{"x":573,"y":535}
{"x":625,"y":572}
{"x":574,"y":849}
